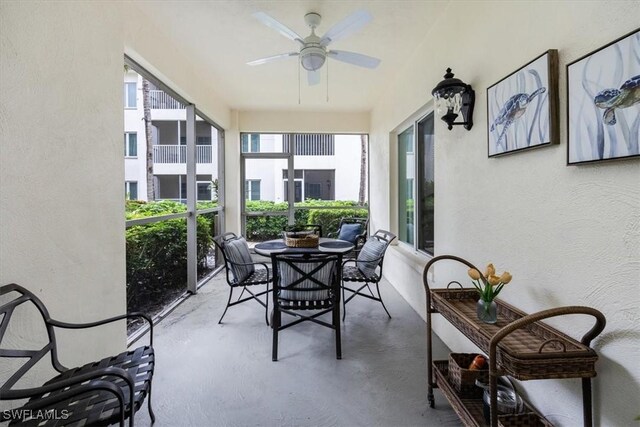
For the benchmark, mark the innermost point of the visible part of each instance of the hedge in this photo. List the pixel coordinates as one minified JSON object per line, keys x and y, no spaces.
{"x":157,"y":254}
{"x":270,"y":227}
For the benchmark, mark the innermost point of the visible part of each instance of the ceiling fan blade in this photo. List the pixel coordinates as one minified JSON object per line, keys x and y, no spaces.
{"x":271,"y":22}
{"x":347,"y":26}
{"x":272,"y":58}
{"x":354,"y":58}
{"x":313,"y":77}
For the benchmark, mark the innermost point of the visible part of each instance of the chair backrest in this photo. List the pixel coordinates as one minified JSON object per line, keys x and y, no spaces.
{"x":302,"y":278}
{"x":362,"y":222}
{"x":236,"y":255}
{"x":372,"y":254}
{"x":7,"y":307}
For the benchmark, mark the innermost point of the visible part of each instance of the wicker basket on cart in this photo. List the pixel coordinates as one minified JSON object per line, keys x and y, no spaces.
{"x":464,"y":379}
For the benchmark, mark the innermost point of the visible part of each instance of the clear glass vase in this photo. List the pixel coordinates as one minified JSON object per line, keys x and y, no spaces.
{"x":487,"y":311}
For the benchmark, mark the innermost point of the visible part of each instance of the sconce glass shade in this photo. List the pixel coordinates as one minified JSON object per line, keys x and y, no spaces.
{"x":452,"y":98}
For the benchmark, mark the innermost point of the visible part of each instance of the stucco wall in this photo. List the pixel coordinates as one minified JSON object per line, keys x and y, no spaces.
{"x":569,"y":235}
{"x":61,"y":166}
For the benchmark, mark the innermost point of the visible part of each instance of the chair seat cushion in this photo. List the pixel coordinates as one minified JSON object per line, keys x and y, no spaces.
{"x":99,"y":407}
{"x":238,"y":253}
{"x":350,"y":232}
{"x":370,"y":256}
{"x":353,"y":274}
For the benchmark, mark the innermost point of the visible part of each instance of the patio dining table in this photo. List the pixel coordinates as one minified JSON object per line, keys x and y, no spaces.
{"x":325,"y":245}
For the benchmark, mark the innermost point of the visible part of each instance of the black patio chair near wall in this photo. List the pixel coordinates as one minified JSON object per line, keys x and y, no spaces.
{"x":314,"y":228}
{"x":353,"y":230}
{"x":304,"y":282}
{"x":241,"y":271}
{"x":96,"y":394}
{"x":367,"y":269}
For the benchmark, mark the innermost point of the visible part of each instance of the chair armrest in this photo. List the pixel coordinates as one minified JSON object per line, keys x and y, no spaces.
{"x":66,"y":325}
{"x":348,"y":261}
{"x":78,"y":379}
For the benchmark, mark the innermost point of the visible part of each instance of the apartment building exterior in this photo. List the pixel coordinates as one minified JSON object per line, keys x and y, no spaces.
{"x":327,"y":166}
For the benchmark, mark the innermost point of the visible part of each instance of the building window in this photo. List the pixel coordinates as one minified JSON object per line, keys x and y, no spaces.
{"x":204,"y":191}
{"x":317,"y":184}
{"x":252,"y":189}
{"x":250,"y":143}
{"x":130,"y":95}
{"x":416,"y":185}
{"x":131,"y":190}
{"x":130,"y":144}
{"x":406,"y":174}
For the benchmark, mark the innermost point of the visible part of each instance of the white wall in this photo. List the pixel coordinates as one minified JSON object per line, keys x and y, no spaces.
{"x":569,"y":235}
{"x":61,"y":166}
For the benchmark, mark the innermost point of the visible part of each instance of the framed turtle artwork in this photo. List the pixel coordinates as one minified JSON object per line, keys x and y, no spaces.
{"x":522,"y":108}
{"x":603,"y":103}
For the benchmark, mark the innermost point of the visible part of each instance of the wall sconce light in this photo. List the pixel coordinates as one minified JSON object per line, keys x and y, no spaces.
{"x":453,"y":96}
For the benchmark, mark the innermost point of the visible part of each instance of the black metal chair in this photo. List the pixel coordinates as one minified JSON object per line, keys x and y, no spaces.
{"x":98,"y":393}
{"x":314,"y":228}
{"x":305,"y":282}
{"x":365,"y":270}
{"x":241,"y":271}
{"x":359,"y":239}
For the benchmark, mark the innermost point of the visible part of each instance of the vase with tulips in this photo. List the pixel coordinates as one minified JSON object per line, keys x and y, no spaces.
{"x":488,"y":286}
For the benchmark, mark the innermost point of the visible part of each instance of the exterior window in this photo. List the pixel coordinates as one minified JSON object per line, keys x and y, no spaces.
{"x":406,"y":174}
{"x":130,"y":95}
{"x":251,"y":143}
{"x":426,"y":184}
{"x":204,"y":190}
{"x":416,"y":185}
{"x":131,"y":190}
{"x":130,"y":144}
{"x":252,"y":189}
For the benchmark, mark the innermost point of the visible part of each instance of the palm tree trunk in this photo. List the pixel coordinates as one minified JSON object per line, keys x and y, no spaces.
{"x":146,"y":104}
{"x":363,"y":169}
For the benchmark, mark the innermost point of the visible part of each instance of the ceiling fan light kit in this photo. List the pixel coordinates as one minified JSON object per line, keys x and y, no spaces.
{"x":313,"y":51}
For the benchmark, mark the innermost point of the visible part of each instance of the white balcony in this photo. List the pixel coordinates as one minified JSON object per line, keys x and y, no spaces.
{"x":177,"y":154}
{"x":162,"y":101}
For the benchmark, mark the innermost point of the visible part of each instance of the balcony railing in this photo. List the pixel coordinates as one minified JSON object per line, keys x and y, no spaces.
{"x":178,"y":154}
{"x":161,"y":100}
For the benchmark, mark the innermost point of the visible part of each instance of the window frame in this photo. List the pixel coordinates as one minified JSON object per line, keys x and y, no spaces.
{"x":248,"y":184}
{"x":127,"y":145}
{"x":413,"y":123}
{"x":127,"y":99}
{"x":127,"y":189}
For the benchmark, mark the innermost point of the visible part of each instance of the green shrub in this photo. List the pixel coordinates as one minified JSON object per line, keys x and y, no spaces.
{"x":157,"y":254}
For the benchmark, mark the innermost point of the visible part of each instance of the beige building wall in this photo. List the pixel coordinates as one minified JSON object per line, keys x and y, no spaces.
{"x":569,"y":235}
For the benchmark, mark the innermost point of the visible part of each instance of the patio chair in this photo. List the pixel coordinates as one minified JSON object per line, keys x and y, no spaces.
{"x":305,"y":282}
{"x":98,"y":393}
{"x":241,"y":271}
{"x":352,"y":230}
{"x":365,"y":269}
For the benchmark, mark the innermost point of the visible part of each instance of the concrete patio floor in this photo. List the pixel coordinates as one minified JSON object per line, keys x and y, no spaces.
{"x":222,"y":375}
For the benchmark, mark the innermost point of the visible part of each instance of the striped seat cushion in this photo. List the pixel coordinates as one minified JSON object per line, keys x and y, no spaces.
{"x":315,"y":292}
{"x":237,"y":251}
{"x":370,"y":255}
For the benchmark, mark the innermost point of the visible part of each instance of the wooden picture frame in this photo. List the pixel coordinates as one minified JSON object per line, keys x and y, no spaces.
{"x":603,"y":103}
{"x":522,"y":108}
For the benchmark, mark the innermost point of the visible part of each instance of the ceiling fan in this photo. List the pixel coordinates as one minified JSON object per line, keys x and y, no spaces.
{"x":313,"y":49}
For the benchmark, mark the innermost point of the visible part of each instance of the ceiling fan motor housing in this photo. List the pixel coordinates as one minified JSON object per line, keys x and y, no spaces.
{"x":312,"y":57}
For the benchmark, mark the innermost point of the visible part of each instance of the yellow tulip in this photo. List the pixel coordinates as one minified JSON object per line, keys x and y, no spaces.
{"x":474,"y":274}
{"x":505,"y":278}
{"x":490,"y":270}
{"x":493,"y":280}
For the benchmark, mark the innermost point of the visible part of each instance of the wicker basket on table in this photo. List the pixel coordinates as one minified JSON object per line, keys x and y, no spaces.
{"x":301,"y":239}
{"x":464,"y":379}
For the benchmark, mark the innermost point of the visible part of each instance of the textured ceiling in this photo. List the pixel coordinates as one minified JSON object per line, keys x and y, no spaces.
{"x":221,"y":36}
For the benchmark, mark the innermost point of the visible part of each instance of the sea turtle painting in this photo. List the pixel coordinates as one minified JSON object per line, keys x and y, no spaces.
{"x":611,"y":99}
{"x":512,"y":110}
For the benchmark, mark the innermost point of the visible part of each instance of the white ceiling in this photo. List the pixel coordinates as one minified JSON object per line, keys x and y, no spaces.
{"x":221,"y":36}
